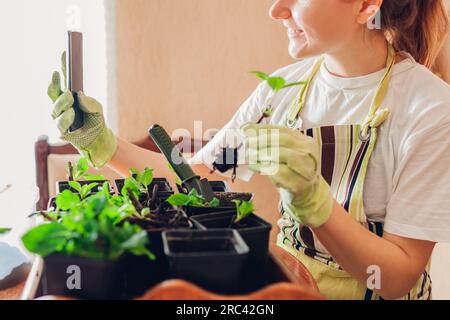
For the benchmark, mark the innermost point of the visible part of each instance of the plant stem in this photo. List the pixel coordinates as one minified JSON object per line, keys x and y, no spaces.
{"x":135,"y":201}
{"x":46,"y":216}
{"x":70,"y":165}
{"x":154,"y":195}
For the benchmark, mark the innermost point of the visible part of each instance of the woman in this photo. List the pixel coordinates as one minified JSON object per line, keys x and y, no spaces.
{"x":362,"y":148}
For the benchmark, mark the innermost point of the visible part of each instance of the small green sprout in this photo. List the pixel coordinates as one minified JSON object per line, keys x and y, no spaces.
{"x":243,"y":210}
{"x":193,"y":199}
{"x":80,"y":172}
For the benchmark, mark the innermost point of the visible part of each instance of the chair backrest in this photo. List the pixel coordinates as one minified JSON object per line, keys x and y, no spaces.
{"x":51,"y":163}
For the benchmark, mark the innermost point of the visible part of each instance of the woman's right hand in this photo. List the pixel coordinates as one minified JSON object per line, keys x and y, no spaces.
{"x":93,"y":140}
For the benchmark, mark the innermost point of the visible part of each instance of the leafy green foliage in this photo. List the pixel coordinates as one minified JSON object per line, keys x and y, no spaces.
{"x":138,"y":183}
{"x":275,"y":83}
{"x":79,"y":172}
{"x":4,"y":230}
{"x":243,"y":209}
{"x":193,"y":199}
{"x":83,"y":190}
{"x":91,"y":228}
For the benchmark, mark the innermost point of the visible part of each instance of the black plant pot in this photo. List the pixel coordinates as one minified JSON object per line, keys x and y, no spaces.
{"x":217,"y":186}
{"x":163,"y":185}
{"x":226,"y":203}
{"x":64,"y":185}
{"x":256,"y":233}
{"x":143,"y":273}
{"x":98,"y":279}
{"x":211,"y":259}
{"x":254,"y":230}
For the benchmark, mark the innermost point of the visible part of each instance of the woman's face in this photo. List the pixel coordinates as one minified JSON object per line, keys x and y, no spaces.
{"x":318,"y":26}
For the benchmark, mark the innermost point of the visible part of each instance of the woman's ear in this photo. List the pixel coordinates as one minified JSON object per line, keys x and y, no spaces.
{"x":368,"y":11}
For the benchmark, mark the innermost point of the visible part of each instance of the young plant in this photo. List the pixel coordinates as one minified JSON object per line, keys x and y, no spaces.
{"x":276,"y":83}
{"x":4,"y":230}
{"x":83,"y":190}
{"x":243,"y":210}
{"x":93,"y":228}
{"x":193,"y":199}
{"x":79,"y":172}
{"x":138,"y":183}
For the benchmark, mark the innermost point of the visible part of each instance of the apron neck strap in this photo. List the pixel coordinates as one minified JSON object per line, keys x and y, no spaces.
{"x":375,"y":117}
{"x":378,"y":116}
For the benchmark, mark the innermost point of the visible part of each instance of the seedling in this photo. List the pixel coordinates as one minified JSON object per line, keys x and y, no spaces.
{"x":193,"y":199}
{"x":138,"y":183}
{"x":83,"y":190}
{"x":243,"y":210}
{"x":227,"y":159}
{"x":91,"y":228}
{"x":4,"y":230}
{"x":79,"y":172}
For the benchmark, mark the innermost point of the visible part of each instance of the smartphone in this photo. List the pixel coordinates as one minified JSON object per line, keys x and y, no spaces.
{"x":75,"y":74}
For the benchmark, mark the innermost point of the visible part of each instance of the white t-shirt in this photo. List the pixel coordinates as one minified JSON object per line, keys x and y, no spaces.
{"x":408,"y":179}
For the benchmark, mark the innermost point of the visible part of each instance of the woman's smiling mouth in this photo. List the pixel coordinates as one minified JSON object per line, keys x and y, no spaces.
{"x":294,"y":33}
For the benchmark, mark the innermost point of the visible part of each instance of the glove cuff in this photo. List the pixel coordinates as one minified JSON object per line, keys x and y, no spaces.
{"x":101,"y":150}
{"x":312,"y":209}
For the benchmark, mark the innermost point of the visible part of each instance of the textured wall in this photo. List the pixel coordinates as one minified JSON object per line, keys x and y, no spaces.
{"x":185,"y":60}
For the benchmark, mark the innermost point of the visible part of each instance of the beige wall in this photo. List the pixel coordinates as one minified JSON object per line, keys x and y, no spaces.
{"x":186,"y":60}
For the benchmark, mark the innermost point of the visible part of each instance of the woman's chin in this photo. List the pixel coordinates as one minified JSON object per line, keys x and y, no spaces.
{"x":297,"y":52}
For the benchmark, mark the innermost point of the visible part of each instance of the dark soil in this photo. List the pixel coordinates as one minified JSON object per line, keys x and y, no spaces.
{"x":226,"y":198}
{"x":162,"y":219}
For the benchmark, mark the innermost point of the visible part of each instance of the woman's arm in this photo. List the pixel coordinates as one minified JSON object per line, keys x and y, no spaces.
{"x":129,"y":156}
{"x":400,"y":260}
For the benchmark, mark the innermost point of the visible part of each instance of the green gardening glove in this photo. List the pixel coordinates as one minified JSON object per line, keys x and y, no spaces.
{"x":94,"y":140}
{"x":291,"y":160}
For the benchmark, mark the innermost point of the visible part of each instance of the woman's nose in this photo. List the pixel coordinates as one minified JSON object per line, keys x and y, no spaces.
{"x":279,"y":10}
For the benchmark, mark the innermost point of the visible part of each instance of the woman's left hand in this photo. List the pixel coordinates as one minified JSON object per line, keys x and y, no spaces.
{"x":292,"y":162}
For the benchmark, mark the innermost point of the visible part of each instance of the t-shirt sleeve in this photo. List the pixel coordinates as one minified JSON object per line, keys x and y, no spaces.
{"x":419,"y":207}
{"x":230,"y":135}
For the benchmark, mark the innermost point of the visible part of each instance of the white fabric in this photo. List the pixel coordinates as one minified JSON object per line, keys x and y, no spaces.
{"x":408,"y":178}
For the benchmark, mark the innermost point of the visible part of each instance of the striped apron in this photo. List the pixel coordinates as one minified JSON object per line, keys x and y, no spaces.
{"x":345,"y":154}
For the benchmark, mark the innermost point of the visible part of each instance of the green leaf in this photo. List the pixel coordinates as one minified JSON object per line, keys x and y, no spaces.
{"x":133,"y":185}
{"x":244,"y":209}
{"x":261,"y":75}
{"x":45,"y":239}
{"x":214,"y":203}
{"x":64,"y":68}
{"x":4,"y":230}
{"x":67,"y":200}
{"x":94,"y":177}
{"x":178,"y":199}
{"x":86,"y":189}
{"x":81,"y":168}
{"x":76,"y":186}
{"x":276,"y":83}
{"x":146,"y":177}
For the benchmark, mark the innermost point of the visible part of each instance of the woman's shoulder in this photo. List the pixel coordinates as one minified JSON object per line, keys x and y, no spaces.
{"x":420,"y":95}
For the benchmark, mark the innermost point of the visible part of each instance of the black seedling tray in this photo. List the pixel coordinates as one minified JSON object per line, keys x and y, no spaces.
{"x":98,"y":279}
{"x":212,"y":259}
{"x":226,"y":204}
{"x":217,"y":186}
{"x":256,"y":233}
